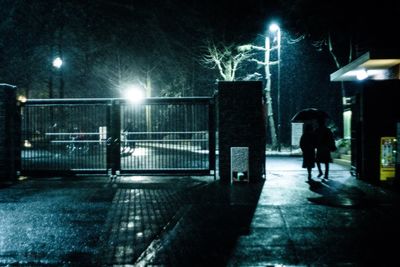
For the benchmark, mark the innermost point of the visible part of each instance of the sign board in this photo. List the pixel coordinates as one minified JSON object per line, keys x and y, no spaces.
{"x":387,"y":158}
{"x":102,"y":133}
{"x":297,"y":131}
{"x":239,"y":164}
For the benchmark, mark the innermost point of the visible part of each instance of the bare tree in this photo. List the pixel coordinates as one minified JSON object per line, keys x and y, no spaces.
{"x":227,"y":59}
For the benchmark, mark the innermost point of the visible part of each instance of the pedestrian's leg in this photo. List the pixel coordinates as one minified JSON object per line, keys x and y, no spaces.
{"x":309,"y":173}
{"x":326,"y":170}
{"x":319,"y":169}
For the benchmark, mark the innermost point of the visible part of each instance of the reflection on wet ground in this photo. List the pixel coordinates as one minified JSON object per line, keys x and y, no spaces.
{"x":197,"y":221}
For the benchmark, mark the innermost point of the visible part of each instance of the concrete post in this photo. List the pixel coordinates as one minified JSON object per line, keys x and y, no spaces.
{"x":10,"y":134}
{"x":241,"y":120}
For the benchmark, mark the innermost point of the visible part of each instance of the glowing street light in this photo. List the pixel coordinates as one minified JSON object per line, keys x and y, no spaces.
{"x":134,"y":94}
{"x":22,"y":98}
{"x":57,"y":62}
{"x":274,"y":27}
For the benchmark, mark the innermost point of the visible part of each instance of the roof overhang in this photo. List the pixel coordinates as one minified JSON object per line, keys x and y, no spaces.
{"x":370,"y":66}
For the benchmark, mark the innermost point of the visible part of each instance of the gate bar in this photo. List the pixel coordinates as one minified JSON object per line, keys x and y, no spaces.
{"x":148,"y":101}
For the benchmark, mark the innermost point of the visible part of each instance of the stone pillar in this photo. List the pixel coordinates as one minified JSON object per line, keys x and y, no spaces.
{"x":241,"y":120}
{"x":9,"y":134}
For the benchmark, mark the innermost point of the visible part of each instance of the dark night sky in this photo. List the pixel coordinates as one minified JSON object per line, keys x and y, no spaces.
{"x":239,"y":19}
{"x":231,"y":20}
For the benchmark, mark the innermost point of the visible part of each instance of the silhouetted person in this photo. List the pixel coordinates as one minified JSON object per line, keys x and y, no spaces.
{"x":325,"y":143}
{"x":307,"y":145}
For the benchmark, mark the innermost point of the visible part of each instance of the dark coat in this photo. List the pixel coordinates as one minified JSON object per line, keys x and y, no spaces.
{"x":325,"y":143}
{"x":307,"y":145}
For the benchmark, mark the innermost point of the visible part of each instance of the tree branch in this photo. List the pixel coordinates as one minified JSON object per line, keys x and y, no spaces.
{"x":350,"y":50}
{"x":258,"y":62}
{"x":226,"y":58}
{"x":331,"y":51}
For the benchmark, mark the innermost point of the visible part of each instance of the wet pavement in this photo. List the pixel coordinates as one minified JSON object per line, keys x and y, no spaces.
{"x":196,"y":221}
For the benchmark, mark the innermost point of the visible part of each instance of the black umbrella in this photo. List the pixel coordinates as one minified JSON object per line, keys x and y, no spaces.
{"x":310,"y":114}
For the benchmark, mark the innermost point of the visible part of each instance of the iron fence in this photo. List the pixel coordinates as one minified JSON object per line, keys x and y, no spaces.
{"x":160,"y":135}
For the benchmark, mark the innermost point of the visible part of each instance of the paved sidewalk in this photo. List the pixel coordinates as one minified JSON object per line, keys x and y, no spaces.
{"x":339,"y":222}
{"x":196,"y":221}
{"x":285,"y":221}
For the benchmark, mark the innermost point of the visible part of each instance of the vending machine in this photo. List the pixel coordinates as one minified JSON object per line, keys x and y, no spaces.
{"x":388,"y":152}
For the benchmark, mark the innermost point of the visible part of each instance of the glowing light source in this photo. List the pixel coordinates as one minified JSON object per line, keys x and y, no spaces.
{"x":21,"y":99}
{"x":361,"y":75}
{"x":134,"y":94}
{"x":57,"y":62}
{"x":27,"y":144}
{"x":274,"y":27}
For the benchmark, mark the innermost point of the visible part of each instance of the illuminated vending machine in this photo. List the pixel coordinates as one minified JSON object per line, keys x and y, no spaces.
{"x":388,"y":158}
{"x":397,"y":174}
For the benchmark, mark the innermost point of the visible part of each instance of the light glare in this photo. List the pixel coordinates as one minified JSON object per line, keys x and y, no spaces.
{"x":57,"y":62}
{"x":274,"y":27}
{"x":134,"y":94}
{"x":361,"y":75}
{"x":21,"y":99}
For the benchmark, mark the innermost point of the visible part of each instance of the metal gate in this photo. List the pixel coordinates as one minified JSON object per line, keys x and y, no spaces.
{"x":159,"y":135}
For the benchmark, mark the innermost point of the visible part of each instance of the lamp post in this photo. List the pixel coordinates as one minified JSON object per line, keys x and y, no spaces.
{"x":269,"y":47}
{"x":57,"y":63}
{"x":276,"y":30}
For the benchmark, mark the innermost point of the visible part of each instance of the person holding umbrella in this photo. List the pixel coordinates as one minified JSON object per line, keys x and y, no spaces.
{"x":324,"y":141}
{"x":325,"y":144}
{"x":307,"y":146}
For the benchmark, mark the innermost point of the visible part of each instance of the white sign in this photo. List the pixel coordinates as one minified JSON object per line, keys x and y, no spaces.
{"x":239,"y":164}
{"x":297,"y":131}
{"x":102,"y":133}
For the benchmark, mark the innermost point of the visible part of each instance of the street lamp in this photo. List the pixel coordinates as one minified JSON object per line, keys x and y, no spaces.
{"x":57,"y":62}
{"x":134,"y":94}
{"x":269,"y":47}
{"x":276,"y":30}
